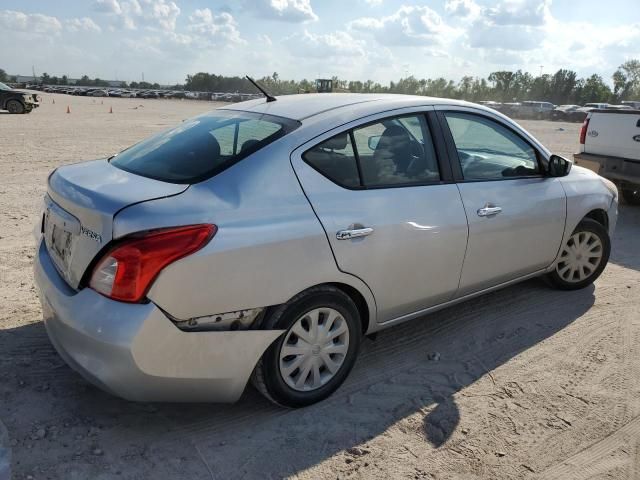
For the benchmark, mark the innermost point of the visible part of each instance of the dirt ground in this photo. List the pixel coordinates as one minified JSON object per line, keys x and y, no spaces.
{"x":527,"y":382}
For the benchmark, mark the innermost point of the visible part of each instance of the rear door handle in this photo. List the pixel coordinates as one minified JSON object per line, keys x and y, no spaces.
{"x":489,"y":211}
{"x":354,"y":233}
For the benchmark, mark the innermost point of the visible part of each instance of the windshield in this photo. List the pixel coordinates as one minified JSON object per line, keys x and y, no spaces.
{"x":4,"y":87}
{"x":201,"y":147}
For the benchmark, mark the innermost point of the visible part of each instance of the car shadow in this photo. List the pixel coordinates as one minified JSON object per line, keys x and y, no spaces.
{"x":417,"y":367}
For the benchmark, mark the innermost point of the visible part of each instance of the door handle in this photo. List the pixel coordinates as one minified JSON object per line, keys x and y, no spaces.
{"x":488,"y":211}
{"x":354,"y":233}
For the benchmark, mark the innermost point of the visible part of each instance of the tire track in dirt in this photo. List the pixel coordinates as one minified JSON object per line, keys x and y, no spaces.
{"x":595,"y":457}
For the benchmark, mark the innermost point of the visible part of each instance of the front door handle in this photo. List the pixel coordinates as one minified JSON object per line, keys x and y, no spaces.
{"x":488,"y":211}
{"x":354,"y":233}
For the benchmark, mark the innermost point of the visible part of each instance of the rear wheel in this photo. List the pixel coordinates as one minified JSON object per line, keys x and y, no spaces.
{"x":15,"y":106}
{"x":317,"y":351}
{"x":583,"y":257}
{"x":631,"y":194}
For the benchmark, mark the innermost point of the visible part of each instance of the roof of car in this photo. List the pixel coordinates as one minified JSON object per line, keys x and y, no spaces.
{"x":302,"y":106}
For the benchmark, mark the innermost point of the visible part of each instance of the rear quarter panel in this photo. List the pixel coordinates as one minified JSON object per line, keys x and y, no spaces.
{"x":269,"y":245}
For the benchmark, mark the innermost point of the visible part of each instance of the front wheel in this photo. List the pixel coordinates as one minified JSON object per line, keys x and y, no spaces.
{"x":317,"y":351}
{"x":15,"y":106}
{"x":631,"y":195}
{"x":583,"y":257}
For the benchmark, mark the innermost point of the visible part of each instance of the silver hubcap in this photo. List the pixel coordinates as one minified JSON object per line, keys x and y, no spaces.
{"x":314,"y":349}
{"x":580,"y":257}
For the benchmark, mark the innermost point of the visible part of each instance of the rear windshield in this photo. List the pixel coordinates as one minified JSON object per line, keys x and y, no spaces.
{"x":201,"y":147}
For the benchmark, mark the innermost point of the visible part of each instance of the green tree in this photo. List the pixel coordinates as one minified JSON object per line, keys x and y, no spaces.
{"x":626,"y":81}
{"x":594,"y":90}
{"x":3,"y":76}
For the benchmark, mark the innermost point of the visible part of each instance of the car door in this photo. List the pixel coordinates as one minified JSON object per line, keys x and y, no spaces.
{"x":516,"y":213}
{"x":392,"y":214}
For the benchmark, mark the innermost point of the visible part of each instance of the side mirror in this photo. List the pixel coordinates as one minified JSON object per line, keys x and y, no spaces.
{"x":373,"y":141}
{"x":558,"y":166}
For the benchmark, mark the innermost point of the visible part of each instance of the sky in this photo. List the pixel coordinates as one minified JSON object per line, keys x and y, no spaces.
{"x":381,"y":40}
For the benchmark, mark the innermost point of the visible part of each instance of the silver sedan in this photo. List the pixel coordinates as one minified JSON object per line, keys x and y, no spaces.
{"x":264,"y":239}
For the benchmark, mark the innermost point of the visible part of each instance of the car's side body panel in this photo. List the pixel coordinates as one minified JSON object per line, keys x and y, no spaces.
{"x":269,"y":245}
{"x":413,"y":258}
{"x":523,"y":238}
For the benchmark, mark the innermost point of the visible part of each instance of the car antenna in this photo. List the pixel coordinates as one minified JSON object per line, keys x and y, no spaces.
{"x":270,"y":98}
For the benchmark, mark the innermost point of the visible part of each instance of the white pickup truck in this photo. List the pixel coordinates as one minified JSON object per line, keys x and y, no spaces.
{"x":610,"y":146}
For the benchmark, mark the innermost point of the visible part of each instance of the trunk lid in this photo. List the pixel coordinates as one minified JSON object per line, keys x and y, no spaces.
{"x":81,"y":203}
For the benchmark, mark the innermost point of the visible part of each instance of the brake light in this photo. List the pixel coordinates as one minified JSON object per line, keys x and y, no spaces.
{"x":583,"y":131}
{"x":127,"y":271}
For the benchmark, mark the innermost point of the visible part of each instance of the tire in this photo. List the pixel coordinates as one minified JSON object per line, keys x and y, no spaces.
{"x":332,"y":306}
{"x":15,"y":106}
{"x":578,"y":270}
{"x":631,"y":195}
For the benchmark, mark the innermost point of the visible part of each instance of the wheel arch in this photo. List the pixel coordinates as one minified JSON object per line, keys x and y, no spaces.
{"x":364,"y":303}
{"x":599,"y":215}
{"x":359,"y":300}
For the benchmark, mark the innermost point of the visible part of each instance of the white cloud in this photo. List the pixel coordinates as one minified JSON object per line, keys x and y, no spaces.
{"x":29,"y":22}
{"x":84,"y":24}
{"x":153,"y":14}
{"x":373,"y":3}
{"x":107,"y":6}
{"x":336,"y":44}
{"x":462,"y":8}
{"x":295,"y":11}
{"x":265,"y":40}
{"x":511,"y":37}
{"x":216,"y":29}
{"x":520,"y":12}
{"x":509,"y":25}
{"x":409,"y":26}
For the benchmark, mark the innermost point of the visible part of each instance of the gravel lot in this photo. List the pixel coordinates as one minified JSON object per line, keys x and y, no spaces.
{"x":527,"y":382}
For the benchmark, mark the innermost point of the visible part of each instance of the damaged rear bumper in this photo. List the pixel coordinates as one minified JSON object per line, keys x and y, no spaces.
{"x":134,"y":351}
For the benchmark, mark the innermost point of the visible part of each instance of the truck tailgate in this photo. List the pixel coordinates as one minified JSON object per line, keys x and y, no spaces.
{"x":614,"y":134}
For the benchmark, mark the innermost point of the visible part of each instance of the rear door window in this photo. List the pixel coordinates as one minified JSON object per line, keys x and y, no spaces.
{"x":201,"y":147}
{"x":335,"y":159}
{"x":395,"y":151}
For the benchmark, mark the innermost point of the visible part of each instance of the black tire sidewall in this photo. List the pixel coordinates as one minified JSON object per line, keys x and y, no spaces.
{"x":586,"y":225}
{"x":284,"y":318}
{"x":21,"y":108}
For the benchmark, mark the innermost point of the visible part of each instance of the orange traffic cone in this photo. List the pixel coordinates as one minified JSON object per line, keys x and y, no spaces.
{"x":110,"y":109}
{"x":68,"y":109}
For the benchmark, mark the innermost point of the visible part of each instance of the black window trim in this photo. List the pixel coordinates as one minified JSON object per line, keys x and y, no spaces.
{"x":455,"y":159}
{"x":435,"y":132}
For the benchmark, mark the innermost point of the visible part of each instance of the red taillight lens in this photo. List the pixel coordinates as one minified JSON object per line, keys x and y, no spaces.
{"x":127,"y":271}
{"x":583,"y":131}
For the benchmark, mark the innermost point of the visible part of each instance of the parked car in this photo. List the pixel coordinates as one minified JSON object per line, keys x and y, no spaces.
{"x":596,"y":105}
{"x":610,"y":146}
{"x":265,"y":239}
{"x":635,"y":104}
{"x":17,"y":101}
{"x":536,"y":110}
{"x":99,"y":93}
{"x":567,"y":113}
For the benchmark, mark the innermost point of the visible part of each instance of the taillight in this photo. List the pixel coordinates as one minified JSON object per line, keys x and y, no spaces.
{"x":127,"y":271}
{"x":583,"y":131}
